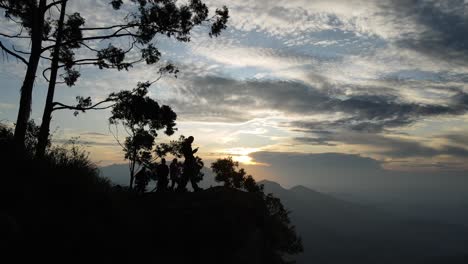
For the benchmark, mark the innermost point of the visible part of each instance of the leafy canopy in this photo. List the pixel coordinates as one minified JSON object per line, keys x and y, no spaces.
{"x":142,"y":117}
{"x":148,"y":19}
{"x":227,"y":171}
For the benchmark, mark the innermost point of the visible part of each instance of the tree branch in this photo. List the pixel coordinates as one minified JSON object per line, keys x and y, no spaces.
{"x":28,"y":53}
{"x":110,"y":27}
{"x":114,"y":35}
{"x":84,"y":60}
{"x":74,"y":63}
{"x":13,"y":54}
{"x":60,"y":106}
{"x":116,"y":135}
{"x":88,"y":47}
{"x":43,"y":74}
{"x":54,"y":4}
{"x":14,"y":36}
{"x":157,"y":79}
{"x":6,"y":7}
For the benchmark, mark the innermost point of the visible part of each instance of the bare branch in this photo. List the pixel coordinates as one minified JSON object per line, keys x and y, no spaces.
{"x":110,"y":27}
{"x":69,"y":107}
{"x":43,"y":74}
{"x":55,"y":3}
{"x":19,"y":36}
{"x":116,"y":136}
{"x":84,"y":60}
{"x":132,"y":45}
{"x":13,"y":54}
{"x":88,"y":47}
{"x":78,"y":108}
{"x":29,"y":53}
{"x":62,"y":66}
{"x":157,"y":79}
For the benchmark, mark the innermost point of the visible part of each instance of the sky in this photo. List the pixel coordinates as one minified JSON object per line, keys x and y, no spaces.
{"x":340,"y":81}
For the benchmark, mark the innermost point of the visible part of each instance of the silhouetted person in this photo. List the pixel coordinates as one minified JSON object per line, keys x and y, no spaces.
{"x":162,"y":172}
{"x":174,"y":171}
{"x":190,"y":166}
{"x":141,"y":180}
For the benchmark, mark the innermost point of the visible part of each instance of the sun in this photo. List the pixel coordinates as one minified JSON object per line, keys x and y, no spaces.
{"x":244,"y":159}
{"x":242,"y":155}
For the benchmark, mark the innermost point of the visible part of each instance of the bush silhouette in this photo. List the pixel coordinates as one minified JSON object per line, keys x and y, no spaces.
{"x":282,"y":236}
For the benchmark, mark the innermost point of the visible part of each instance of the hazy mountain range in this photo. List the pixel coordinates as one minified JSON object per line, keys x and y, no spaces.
{"x":336,"y":231}
{"x":339,"y":231}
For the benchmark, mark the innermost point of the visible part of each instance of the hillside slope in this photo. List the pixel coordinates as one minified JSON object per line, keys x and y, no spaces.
{"x":337,"y":231}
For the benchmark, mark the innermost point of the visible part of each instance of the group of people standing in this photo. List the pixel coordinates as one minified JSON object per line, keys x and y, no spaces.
{"x":179,"y":174}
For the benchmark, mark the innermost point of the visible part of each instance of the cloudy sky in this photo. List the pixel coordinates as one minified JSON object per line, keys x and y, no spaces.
{"x":381,"y":81}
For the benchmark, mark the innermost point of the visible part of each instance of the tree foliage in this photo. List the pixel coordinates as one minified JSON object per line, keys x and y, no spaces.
{"x":282,"y":234}
{"x":282,"y":237}
{"x":227,"y":171}
{"x":150,"y":18}
{"x":30,"y":141}
{"x":24,"y":10}
{"x":142,"y":118}
{"x":146,"y":20}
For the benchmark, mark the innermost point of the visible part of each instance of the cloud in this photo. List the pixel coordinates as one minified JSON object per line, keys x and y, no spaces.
{"x":7,"y":106}
{"x":295,"y":17}
{"x":442,"y":27}
{"x":424,"y":23}
{"x":394,"y":147}
{"x":354,"y":173}
{"x":263,"y":58}
{"x":323,"y":169}
{"x":459,"y":139}
{"x":327,"y":73}
{"x":320,"y":141}
{"x":239,"y":100}
{"x":366,"y":119}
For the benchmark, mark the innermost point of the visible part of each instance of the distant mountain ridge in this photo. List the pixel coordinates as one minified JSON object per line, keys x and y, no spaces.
{"x":338,"y":231}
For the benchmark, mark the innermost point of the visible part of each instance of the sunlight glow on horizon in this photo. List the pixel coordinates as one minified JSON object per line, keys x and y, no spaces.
{"x":241,"y":155}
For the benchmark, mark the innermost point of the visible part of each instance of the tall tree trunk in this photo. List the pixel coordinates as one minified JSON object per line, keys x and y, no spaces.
{"x":132,"y":166}
{"x":28,"y":83}
{"x":132,"y":174}
{"x":48,"y":109}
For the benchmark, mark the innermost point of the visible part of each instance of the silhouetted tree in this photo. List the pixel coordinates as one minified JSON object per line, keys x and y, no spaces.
{"x":30,"y":140}
{"x":72,"y":26}
{"x":141,"y":117}
{"x":282,"y":236}
{"x":153,"y":17}
{"x":66,"y":33}
{"x":227,"y":171}
{"x":31,"y":15}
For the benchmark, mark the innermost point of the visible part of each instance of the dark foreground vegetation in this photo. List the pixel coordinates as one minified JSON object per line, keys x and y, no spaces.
{"x":58,"y":208}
